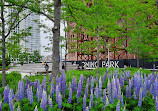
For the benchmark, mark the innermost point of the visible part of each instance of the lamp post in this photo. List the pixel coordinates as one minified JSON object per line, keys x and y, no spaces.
{"x":28,"y":59}
{"x":19,"y":57}
{"x":108,"y":45}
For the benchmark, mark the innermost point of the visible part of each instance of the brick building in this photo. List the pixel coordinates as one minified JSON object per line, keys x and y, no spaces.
{"x":75,"y":41}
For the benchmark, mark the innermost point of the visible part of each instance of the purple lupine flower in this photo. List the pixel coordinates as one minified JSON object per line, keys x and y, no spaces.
{"x":100,"y":87}
{"x":60,"y":83}
{"x":107,"y":101}
{"x":70,"y":96}
{"x":140,"y":97}
{"x":50,"y":78}
{"x":118,"y":106}
{"x":36,"y":84}
{"x":32,"y":83}
{"x":127,"y":91}
{"x":96,"y":103}
{"x":1,"y":104}
{"x":52,"y":90}
{"x":84,"y":103}
{"x":141,"y":81}
{"x":90,"y":77}
{"x":151,"y":89}
{"x":5,"y":93}
{"x":57,"y":93}
{"x":134,"y":95}
{"x":36,"y":109}
{"x":138,"y":84}
{"x":124,"y":109}
{"x":50,"y":102}
{"x":156,"y":103}
{"x":87,"y":82}
{"x":26,"y":86}
{"x":30,"y":94}
{"x":79,"y":90}
{"x":57,"y":80}
{"x":105,"y":75}
{"x":43,"y":103}
{"x":69,"y":86}
{"x":74,"y":84}
{"x":59,"y":101}
{"x":119,"y":93}
{"x":16,"y":95}
{"x":44,"y":85}
{"x":87,"y":109}
{"x":109,"y":90}
{"x":81,"y":79}
{"x":114,"y":90}
{"x":27,"y":82}
{"x":96,"y":79}
{"x":121,"y":82}
{"x":18,"y":109}
{"x":91,"y":98}
{"x":96,"y":92}
{"x":144,"y":89}
{"x":121,"y":99}
{"x":10,"y":98}
{"x":104,"y":96}
{"x":156,"y":88}
{"x":92,"y":83}
{"x":20,"y":90}
{"x":90,"y":105}
{"x":39,"y":93}
{"x":117,"y":84}
{"x":63,"y":83}
{"x":86,"y":90}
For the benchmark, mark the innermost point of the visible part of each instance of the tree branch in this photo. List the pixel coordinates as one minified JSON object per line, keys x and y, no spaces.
{"x":13,"y":23}
{"x":40,"y":12}
{"x":17,"y":24}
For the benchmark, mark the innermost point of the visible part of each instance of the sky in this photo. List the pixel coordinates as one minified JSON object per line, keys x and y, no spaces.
{"x":45,"y":41}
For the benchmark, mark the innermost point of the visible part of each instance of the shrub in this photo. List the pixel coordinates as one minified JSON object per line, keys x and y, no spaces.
{"x":12,"y":79}
{"x":7,"y":62}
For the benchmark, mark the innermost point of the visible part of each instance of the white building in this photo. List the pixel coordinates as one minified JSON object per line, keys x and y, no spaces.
{"x":32,"y":42}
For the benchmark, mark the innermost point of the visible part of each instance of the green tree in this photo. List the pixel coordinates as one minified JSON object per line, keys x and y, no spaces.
{"x":36,"y":56}
{"x":99,"y":20}
{"x":45,"y":7}
{"x":9,"y":21}
{"x":139,"y":19}
{"x":13,"y":47}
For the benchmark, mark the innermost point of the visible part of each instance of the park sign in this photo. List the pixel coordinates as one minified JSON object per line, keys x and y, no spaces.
{"x":93,"y":64}
{"x":117,"y":63}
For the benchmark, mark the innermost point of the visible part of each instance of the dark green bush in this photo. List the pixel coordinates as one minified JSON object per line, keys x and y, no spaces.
{"x":7,"y":62}
{"x":11,"y":79}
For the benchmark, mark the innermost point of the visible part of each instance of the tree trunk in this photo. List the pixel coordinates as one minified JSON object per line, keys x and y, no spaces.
{"x":138,"y":49}
{"x":3,"y":45}
{"x":65,"y":47}
{"x":106,"y":41}
{"x":157,"y":12}
{"x":56,"y":38}
{"x":97,"y":51}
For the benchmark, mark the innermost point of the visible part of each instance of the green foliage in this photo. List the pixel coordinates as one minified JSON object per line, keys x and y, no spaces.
{"x":26,"y":106}
{"x":100,"y":19}
{"x":7,"y":62}
{"x":6,"y":107}
{"x":130,"y":104}
{"x":12,"y":79}
{"x":88,"y":73}
{"x":142,"y":31}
